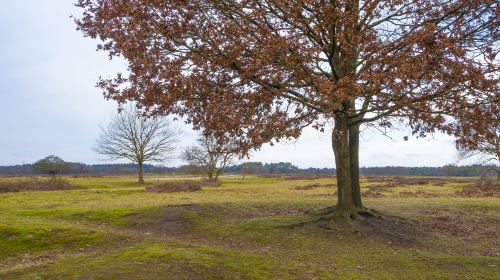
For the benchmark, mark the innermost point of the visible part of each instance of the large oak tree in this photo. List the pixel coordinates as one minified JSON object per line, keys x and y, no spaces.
{"x":260,"y":71}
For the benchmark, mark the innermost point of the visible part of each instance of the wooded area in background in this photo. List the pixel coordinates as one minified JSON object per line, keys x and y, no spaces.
{"x":253,"y":168}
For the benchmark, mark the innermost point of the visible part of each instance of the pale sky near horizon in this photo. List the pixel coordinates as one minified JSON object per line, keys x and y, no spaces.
{"x":50,"y":104}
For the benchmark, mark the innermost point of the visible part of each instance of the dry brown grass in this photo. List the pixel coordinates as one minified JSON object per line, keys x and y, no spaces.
{"x":449,"y":227}
{"x":395,"y":181}
{"x":87,"y":176}
{"x":312,"y":186}
{"x":307,"y":176}
{"x":181,"y":186}
{"x":372,"y":193}
{"x":36,"y":184}
{"x":297,"y":177}
{"x":387,"y":187}
{"x":418,"y":193}
{"x":484,"y":187}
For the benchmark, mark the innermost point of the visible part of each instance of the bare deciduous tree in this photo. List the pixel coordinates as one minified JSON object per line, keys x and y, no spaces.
{"x":210,"y":155}
{"x":137,"y":138}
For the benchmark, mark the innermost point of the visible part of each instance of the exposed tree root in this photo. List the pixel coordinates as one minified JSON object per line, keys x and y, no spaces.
{"x":334,"y":214}
{"x":365,"y":222}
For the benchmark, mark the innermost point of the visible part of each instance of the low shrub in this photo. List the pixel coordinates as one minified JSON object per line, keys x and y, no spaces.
{"x":298,"y":176}
{"x":307,"y":176}
{"x":36,"y":184}
{"x":211,"y":183}
{"x":370,"y":193}
{"x":377,"y":179}
{"x":409,"y":181}
{"x":486,"y":183}
{"x":312,"y":186}
{"x":484,"y":187}
{"x":381,"y":188}
{"x":272,"y":176}
{"x":87,"y":176}
{"x":387,"y":187}
{"x":418,"y":193}
{"x":181,"y":186}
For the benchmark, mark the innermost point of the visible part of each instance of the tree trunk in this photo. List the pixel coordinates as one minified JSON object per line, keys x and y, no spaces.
{"x":242,"y":173}
{"x":141,"y":178}
{"x":340,"y":145}
{"x":210,"y":174}
{"x":354,"y":165}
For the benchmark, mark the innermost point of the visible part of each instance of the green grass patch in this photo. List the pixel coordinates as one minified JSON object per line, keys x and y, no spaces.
{"x":259,"y":228}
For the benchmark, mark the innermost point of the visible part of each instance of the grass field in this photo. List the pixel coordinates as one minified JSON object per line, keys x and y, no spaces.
{"x":262,"y":228}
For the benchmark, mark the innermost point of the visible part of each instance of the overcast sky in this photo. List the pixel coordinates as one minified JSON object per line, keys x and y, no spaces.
{"x":49,"y":103}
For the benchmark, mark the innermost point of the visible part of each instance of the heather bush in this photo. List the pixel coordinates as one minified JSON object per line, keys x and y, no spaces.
{"x":36,"y":184}
{"x":181,"y":186}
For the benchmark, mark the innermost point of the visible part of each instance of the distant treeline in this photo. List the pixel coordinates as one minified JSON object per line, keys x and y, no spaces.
{"x":253,"y":168}
{"x":447,"y":170}
{"x":81,"y":168}
{"x":285,"y":167}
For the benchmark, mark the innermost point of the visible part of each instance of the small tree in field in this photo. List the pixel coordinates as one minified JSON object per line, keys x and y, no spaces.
{"x":137,"y":138}
{"x":250,"y":168}
{"x":51,"y":165}
{"x":260,"y":71}
{"x":211,"y":156}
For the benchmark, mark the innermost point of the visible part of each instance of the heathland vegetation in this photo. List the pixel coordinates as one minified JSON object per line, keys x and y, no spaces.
{"x":261,"y":228}
{"x":249,"y":73}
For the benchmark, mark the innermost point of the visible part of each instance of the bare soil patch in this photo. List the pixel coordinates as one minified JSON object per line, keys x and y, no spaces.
{"x":389,"y":228}
{"x":169,"y":220}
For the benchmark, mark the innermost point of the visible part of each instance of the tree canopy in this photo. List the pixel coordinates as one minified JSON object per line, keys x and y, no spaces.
{"x":210,"y":156}
{"x":260,"y":71}
{"x":51,"y":165}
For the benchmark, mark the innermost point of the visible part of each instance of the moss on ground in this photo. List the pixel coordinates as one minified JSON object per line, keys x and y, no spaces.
{"x":261,"y":228}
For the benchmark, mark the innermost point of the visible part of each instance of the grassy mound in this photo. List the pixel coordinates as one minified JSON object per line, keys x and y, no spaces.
{"x":36,"y":184}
